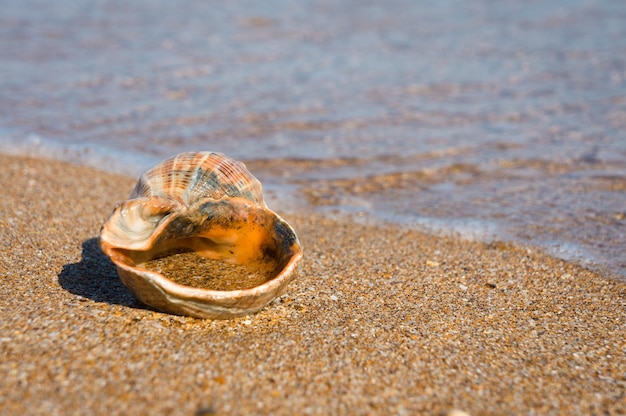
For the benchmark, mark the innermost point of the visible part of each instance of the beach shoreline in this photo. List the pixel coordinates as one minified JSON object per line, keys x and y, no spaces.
{"x":381,"y":320}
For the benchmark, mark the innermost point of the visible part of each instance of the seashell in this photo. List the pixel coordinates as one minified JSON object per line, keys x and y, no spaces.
{"x":211,"y":205}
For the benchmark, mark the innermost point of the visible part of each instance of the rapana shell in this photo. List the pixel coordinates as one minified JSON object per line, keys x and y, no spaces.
{"x":212,"y":205}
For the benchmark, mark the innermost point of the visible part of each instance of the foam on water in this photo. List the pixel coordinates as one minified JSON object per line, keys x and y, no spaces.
{"x":99,"y":156}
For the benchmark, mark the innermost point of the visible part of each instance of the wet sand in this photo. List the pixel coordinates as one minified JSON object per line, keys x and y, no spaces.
{"x":381,"y":321}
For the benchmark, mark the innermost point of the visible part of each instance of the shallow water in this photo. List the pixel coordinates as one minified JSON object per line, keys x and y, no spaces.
{"x":494,"y":120}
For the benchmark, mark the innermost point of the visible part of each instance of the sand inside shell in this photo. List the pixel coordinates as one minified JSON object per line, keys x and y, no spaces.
{"x":190,"y":269}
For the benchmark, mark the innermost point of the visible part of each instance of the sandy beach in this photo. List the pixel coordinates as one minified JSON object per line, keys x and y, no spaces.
{"x":381,"y":320}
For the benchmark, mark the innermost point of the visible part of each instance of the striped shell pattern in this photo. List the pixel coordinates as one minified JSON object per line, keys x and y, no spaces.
{"x":192,"y":176}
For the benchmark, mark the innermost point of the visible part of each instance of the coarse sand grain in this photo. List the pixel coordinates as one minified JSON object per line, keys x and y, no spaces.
{"x":381,"y":320}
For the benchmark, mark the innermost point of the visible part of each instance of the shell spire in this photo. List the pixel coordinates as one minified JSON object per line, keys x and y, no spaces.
{"x":190,"y":176}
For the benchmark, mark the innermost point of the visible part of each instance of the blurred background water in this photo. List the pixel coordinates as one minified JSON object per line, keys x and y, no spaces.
{"x":491,"y":119}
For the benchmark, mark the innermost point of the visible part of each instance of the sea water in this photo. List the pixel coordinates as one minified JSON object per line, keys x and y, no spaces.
{"x":492,"y":120}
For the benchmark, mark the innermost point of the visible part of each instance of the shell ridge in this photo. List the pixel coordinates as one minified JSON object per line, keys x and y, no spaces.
{"x":242,"y":182}
{"x":174,"y":169}
{"x":189,"y":195}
